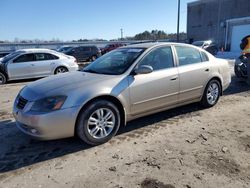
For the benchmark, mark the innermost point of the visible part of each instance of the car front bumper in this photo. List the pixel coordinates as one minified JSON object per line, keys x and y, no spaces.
{"x":47,"y":126}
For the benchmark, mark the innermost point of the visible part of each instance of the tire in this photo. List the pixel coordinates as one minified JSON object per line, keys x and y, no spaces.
{"x":236,"y":71}
{"x":211,"y":94}
{"x":92,"y":128}
{"x":3,"y":78}
{"x":60,"y":70}
{"x":93,"y":58}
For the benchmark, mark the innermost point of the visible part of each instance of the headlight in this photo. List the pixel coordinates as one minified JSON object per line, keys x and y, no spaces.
{"x":48,"y":104}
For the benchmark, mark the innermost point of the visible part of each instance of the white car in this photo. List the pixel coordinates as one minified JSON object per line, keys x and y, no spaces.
{"x":35,"y":63}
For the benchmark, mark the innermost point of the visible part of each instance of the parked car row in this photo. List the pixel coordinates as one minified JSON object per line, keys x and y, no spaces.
{"x":84,"y":53}
{"x":35,"y":63}
{"x":125,"y":84}
{"x":110,"y":47}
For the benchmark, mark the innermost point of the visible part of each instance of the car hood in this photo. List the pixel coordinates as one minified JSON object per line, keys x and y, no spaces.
{"x":65,"y":83}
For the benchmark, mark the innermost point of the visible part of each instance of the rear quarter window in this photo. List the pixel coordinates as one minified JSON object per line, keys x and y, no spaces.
{"x":204,"y":57}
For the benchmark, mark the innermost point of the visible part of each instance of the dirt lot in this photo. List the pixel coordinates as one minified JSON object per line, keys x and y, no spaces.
{"x":185,"y":147}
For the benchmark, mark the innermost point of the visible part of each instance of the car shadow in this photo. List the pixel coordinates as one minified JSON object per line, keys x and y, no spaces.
{"x":237,"y":86}
{"x":22,"y":81}
{"x":18,"y":150}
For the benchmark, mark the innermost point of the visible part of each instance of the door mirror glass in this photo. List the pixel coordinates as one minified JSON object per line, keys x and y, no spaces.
{"x":143,"y":69}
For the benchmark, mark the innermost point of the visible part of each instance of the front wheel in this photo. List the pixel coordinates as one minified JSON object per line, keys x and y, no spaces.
{"x":2,"y":78}
{"x":211,"y":94}
{"x":98,"y":123}
{"x":93,"y":58}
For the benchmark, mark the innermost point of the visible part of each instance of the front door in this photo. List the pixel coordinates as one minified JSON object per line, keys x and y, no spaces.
{"x":158,"y":89}
{"x":21,"y":67}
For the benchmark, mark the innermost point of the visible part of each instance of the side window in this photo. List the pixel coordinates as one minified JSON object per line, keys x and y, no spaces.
{"x":160,"y":58}
{"x":24,"y":58}
{"x":188,"y":55}
{"x":40,"y":57}
{"x":86,"y":49}
{"x":204,"y":57}
{"x":51,"y":57}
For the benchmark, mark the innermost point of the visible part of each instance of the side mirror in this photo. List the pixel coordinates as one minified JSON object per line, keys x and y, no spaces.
{"x":144,"y":69}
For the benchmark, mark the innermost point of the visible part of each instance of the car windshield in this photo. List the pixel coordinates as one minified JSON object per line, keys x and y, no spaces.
{"x":115,"y":62}
{"x":64,"y":49}
{"x":11,"y":56}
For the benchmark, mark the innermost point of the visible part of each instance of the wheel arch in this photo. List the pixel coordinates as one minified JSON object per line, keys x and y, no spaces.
{"x":109,"y":98}
{"x":220,"y":82}
{"x":5,"y":74}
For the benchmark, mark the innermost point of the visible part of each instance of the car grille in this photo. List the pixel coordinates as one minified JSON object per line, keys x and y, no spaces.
{"x":21,"y":103}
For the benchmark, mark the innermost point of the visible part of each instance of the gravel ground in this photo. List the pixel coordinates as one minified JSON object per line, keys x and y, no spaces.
{"x":184,"y":147}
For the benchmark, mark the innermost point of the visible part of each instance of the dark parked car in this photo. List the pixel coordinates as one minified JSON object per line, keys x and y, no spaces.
{"x":4,"y":53}
{"x":207,"y":45}
{"x":110,"y":47}
{"x":84,"y":53}
{"x":240,"y":66}
{"x":64,"y":49}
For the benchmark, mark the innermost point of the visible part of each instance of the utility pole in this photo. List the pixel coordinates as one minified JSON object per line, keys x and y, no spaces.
{"x":121,"y":33}
{"x":218,"y":23}
{"x":178,"y":22}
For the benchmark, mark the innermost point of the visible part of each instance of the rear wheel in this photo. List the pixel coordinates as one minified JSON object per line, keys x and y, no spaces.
{"x":2,"y":78}
{"x":211,"y":94}
{"x":60,"y":70}
{"x":98,"y":123}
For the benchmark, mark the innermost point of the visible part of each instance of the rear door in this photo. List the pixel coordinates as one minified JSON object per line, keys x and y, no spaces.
{"x":44,"y":64}
{"x":21,"y":66}
{"x":194,"y":72}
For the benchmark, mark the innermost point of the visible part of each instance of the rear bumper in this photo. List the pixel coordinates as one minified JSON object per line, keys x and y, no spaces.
{"x":74,"y":68}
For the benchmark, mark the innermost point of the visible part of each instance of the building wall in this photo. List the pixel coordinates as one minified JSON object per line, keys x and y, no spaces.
{"x":207,"y":19}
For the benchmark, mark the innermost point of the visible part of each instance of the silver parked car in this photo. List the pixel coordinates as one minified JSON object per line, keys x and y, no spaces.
{"x":125,"y":84}
{"x":33,"y":63}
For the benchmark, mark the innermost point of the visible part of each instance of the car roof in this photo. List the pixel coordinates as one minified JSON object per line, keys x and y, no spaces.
{"x":154,"y":44}
{"x":35,"y":50}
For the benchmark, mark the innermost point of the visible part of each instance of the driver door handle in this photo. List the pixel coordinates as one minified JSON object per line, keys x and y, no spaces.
{"x":174,"y":78}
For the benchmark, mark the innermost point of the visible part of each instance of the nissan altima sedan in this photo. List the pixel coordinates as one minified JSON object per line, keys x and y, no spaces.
{"x":125,"y":84}
{"x":34,"y":63}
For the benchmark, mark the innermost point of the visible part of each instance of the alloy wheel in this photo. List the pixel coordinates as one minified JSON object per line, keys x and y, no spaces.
{"x":212,"y":93}
{"x":101,"y":123}
{"x":61,"y":70}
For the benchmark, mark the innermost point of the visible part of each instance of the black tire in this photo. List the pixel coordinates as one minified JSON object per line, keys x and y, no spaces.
{"x":93,"y":58}
{"x":3,"y":78}
{"x":82,"y":126}
{"x":205,"y":101}
{"x":60,"y":70}
{"x":236,"y":71}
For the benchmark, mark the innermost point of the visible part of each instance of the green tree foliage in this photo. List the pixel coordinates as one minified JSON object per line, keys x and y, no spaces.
{"x":158,"y":35}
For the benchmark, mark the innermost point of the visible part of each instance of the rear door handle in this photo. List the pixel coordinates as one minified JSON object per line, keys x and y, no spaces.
{"x":207,"y":70}
{"x":174,"y":78}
